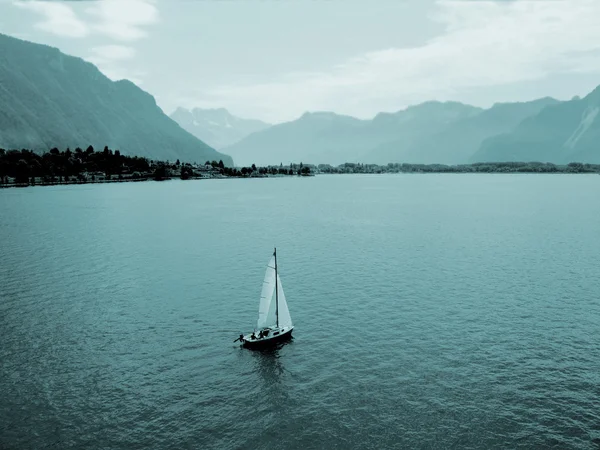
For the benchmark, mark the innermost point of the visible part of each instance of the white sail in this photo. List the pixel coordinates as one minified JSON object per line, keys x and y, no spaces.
{"x":269,"y":308}
{"x":285,"y":320}
{"x":266,"y":308}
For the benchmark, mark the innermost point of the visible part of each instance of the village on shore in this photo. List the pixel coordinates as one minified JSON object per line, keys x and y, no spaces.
{"x":27,"y":168}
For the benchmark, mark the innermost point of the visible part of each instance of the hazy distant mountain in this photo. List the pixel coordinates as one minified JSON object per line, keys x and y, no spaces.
{"x":322,"y":137}
{"x":454,"y":141}
{"x":432,"y":132}
{"x":50,"y":99}
{"x":560,"y":133}
{"x":325,"y":137}
{"x":217,"y":127}
{"x":414,"y":126}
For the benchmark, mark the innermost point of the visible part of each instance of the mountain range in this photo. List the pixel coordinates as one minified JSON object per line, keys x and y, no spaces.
{"x":456,"y":140}
{"x":50,"y":99}
{"x":217,"y":127}
{"x":320,"y":137}
{"x":562,"y":132}
{"x":546,"y":130}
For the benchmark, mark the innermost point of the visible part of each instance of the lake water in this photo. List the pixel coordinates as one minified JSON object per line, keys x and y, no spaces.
{"x":431,"y":311}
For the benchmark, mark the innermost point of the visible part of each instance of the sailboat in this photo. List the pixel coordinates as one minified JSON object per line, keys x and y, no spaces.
{"x":274,"y":322}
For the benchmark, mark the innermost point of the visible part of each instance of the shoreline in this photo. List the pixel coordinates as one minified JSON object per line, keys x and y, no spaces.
{"x":141,"y":180}
{"x":136,"y":180}
{"x":55,"y":168}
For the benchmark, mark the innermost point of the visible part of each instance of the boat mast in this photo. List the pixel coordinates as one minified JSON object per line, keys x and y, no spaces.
{"x":276,"y":289}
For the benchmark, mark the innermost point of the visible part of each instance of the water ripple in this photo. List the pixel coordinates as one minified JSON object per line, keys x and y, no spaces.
{"x":430,"y":312}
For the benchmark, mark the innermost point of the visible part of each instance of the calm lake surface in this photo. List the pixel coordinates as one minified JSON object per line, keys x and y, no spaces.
{"x":431,"y":311}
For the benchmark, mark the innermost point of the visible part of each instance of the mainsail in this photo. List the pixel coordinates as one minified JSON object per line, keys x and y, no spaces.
{"x":269,"y":308}
{"x":266,"y":308}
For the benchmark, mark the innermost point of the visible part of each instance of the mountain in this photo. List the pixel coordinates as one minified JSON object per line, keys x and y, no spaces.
{"x":428,"y":133}
{"x":560,"y":133}
{"x":455,"y":140}
{"x":50,"y":99}
{"x":410,"y":128}
{"x":325,"y":137}
{"x":322,"y":137}
{"x":217,"y":127}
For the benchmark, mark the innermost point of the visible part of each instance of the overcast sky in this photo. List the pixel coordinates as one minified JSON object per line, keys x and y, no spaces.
{"x":276,"y":59}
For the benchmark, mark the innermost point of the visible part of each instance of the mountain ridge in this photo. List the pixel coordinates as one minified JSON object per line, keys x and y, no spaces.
{"x":420,"y":133}
{"x":436,"y":133}
{"x":564,"y":132}
{"x":51,"y":99}
{"x":217,"y":126}
{"x":458,"y":141}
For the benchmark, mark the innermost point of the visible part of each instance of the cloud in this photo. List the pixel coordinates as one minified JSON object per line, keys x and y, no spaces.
{"x":112,"y":53}
{"x":123,"y":20}
{"x":119,"y":20}
{"x":116,"y":73}
{"x":484,"y":44}
{"x":58,"y":18}
{"x":109,"y":59}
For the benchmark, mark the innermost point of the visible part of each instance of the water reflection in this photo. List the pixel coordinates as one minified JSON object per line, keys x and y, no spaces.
{"x":272,"y":376}
{"x":269,"y":363}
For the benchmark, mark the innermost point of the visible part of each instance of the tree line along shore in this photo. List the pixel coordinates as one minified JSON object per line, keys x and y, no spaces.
{"x":27,"y":168}
{"x":480,"y":167}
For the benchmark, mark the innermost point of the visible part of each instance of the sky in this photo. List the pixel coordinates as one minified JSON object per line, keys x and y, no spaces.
{"x":276,"y":59}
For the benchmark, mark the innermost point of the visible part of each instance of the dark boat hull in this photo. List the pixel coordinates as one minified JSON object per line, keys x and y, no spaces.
{"x":268,"y":342}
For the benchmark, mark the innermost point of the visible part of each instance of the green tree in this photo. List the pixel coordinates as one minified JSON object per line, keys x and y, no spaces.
{"x":184,"y":175}
{"x":160,"y":173}
{"x":22,"y":172}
